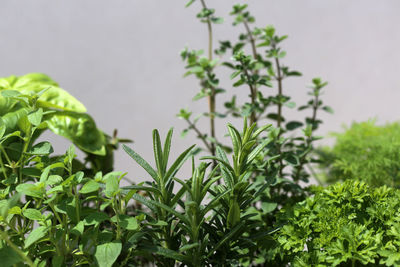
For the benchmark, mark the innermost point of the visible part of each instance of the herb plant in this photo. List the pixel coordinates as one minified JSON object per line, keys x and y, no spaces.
{"x":349,"y":224}
{"x":365,"y":151}
{"x":185,"y":227}
{"x":257,"y":65}
{"x":59,"y":112}
{"x":49,"y":214}
{"x":246,"y":203}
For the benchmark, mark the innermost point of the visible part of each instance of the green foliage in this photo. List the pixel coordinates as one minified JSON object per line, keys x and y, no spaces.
{"x":58,"y":211}
{"x":51,"y":214}
{"x":64,"y":115}
{"x":255,"y":59}
{"x":367,"y":152}
{"x":47,"y":106}
{"x":349,"y":224}
{"x":182,"y":225}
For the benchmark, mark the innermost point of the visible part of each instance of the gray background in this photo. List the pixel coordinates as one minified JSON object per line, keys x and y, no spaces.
{"x":121,"y":58}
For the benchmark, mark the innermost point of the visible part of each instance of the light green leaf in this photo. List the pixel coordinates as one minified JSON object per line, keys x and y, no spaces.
{"x":31,"y":190}
{"x":146,"y":166}
{"x":42,"y":148}
{"x":126,"y":222}
{"x":80,"y":128}
{"x":36,"y":235}
{"x":177,"y":164}
{"x":268,"y":207}
{"x":106,"y":254}
{"x":112,"y":185}
{"x":78,"y":229}
{"x":36,"y":117}
{"x":89,"y":187}
{"x":33,"y":214}
{"x":34,"y":83}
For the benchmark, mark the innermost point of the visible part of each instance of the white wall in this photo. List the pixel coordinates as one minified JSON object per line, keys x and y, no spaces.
{"x":121,"y":58}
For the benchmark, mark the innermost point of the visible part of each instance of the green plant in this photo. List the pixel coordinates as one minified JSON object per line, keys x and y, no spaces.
{"x":59,"y":112}
{"x":185,"y":227}
{"x":282,"y":162}
{"x":349,"y":224}
{"x":364,"y":151}
{"x":51,"y":215}
{"x":58,"y":211}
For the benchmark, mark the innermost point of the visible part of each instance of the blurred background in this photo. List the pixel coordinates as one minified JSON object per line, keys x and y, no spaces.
{"x":121,"y":59}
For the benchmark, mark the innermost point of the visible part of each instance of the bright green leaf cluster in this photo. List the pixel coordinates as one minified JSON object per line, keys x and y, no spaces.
{"x":349,"y":224}
{"x":367,"y":152}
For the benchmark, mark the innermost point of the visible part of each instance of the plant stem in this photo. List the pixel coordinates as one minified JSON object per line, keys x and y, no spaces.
{"x":211,"y":97}
{"x":309,"y":139}
{"x":253,"y":94}
{"x":199,"y":134}
{"x":279,"y":79}
{"x":253,"y":88}
{"x":252,"y":40}
{"x":279,"y":119}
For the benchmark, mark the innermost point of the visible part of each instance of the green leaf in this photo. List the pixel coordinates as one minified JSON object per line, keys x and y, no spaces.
{"x":290,"y":104}
{"x":178,"y":164}
{"x":31,"y":190}
{"x":167,"y":148}
{"x":95,"y":218}
{"x":268,"y":207}
{"x":33,"y":214}
{"x":158,"y":155}
{"x":89,"y":187}
{"x":189,"y":3}
{"x":9,"y":257}
{"x":291,"y":159}
{"x":217,"y":20}
{"x":328,"y":109}
{"x":292,"y":125}
{"x":224,"y":163}
{"x":106,"y":254}
{"x":112,"y":185}
{"x":274,"y":116}
{"x":158,"y":223}
{"x":36,"y":117}
{"x":188,"y":246}
{"x":126,"y":222}
{"x":10,"y":93}
{"x":151,"y":204}
{"x":36,"y":235}
{"x":42,"y":148}
{"x":253,"y":154}
{"x":53,"y":97}
{"x":80,"y":128}
{"x":11,"y":118}
{"x":78,"y":229}
{"x":233,"y":214}
{"x":146,"y":166}
{"x":168,"y":253}
{"x":54,"y":180}
{"x":235,"y":137}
